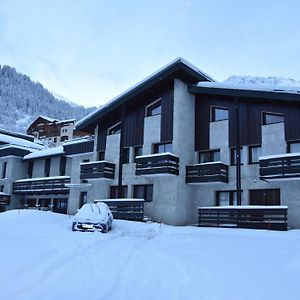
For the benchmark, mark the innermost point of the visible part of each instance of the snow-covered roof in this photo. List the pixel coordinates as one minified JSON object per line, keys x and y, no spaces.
{"x":45,"y":152}
{"x":17,"y":147}
{"x":144,"y":81}
{"x":19,"y":142}
{"x":66,"y":121}
{"x":44,"y":117}
{"x":244,"y":207}
{"x":252,"y":87}
{"x":79,"y":140}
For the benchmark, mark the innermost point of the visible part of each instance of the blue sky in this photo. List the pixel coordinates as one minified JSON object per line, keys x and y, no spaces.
{"x":91,"y":50}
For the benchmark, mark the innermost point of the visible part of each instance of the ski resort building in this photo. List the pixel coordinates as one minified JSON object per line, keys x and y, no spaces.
{"x":180,"y":141}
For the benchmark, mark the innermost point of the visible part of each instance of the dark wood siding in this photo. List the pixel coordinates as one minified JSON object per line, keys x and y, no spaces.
{"x":250,"y":119}
{"x":76,"y":148}
{"x":135,"y":116}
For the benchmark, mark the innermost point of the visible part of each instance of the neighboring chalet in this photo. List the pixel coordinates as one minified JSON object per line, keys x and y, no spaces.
{"x":53,"y":132}
{"x":180,"y":141}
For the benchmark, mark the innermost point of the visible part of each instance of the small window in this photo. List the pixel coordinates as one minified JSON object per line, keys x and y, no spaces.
{"x":4,"y":169}
{"x":125,"y":155}
{"x":85,"y":160}
{"x":114,"y":192}
{"x":219,"y":114}
{"x":30,"y":169}
{"x":64,"y":138}
{"x":115,"y":129}
{"x":272,"y":118}
{"x":227,"y":198}
{"x":47,"y":167}
{"x":254,"y":154}
{"x":209,"y":156}
{"x":62,"y":166}
{"x":154,"y":108}
{"x":161,"y":148}
{"x":138,"y":151}
{"x":234,"y":156}
{"x":293,"y":147}
{"x":143,"y":192}
{"x":1,"y":188}
{"x":101,"y":155}
{"x":55,"y":140}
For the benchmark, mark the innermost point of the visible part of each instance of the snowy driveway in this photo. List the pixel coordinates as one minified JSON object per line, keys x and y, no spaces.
{"x":41,"y":258}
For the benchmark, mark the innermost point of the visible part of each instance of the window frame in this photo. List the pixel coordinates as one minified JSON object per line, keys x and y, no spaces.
{"x":47,"y":167}
{"x":250,"y":156}
{"x":146,"y":188}
{"x":110,"y":129}
{"x":155,"y":147}
{"x":124,"y":191}
{"x":153,"y":103}
{"x":213,"y":114}
{"x":210,"y":152}
{"x":62,"y":166}
{"x":231,"y":197}
{"x":263,"y":117}
{"x":126,"y":157}
{"x":289,"y":143}
{"x":135,"y":150}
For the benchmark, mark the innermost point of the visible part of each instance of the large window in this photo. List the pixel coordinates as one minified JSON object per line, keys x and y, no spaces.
{"x":219,"y":113}
{"x":254,"y":154}
{"x":233,"y":158}
{"x":114,"y":192}
{"x":143,"y":192}
{"x":209,"y":156}
{"x":62,"y":166}
{"x":161,"y":148}
{"x":293,"y":147}
{"x":115,"y":129}
{"x":226,"y":198}
{"x":272,"y":118}
{"x":47,"y":167}
{"x":154,"y":108}
{"x":264,"y":197}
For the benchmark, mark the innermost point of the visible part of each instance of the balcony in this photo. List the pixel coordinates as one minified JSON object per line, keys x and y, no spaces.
{"x":207,"y":172}
{"x":279,"y":166}
{"x":97,"y":170}
{"x":157,"y":164}
{"x":42,"y":186}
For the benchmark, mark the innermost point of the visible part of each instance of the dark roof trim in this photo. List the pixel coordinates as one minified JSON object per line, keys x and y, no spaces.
{"x":178,"y":65}
{"x":244,"y":93}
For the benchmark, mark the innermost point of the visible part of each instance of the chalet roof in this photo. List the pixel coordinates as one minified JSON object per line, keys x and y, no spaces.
{"x":266,"y":91}
{"x":176,"y":67}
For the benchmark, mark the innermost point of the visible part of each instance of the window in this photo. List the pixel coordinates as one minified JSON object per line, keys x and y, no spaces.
{"x":264,"y":197}
{"x":219,"y":114}
{"x":62,"y":166}
{"x":83,"y":199}
{"x":64,"y":138}
{"x":55,"y":140}
{"x":138,"y":151}
{"x":272,"y":118}
{"x":30,"y":169}
{"x":85,"y":160}
{"x":226,"y":198}
{"x":209,"y":156}
{"x":114,"y":192}
{"x":161,"y":148}
{"x":254,"y":154}
{"x":47,"y":167}
{"x":234,"y":158}
{"x":125,"y":155}
{"x":154,"y":108}
{"x":1,"y":188}
{"x":143,"y":192}
{"x":293,"y":147}
{"x":60,"y":206}
{"x":4,"y":167}
{"x":115,"y":129}
{"x":101,"y":155}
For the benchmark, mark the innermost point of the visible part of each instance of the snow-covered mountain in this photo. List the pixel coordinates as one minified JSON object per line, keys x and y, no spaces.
{"x":258,"y":80}
{"x":22,"y":100}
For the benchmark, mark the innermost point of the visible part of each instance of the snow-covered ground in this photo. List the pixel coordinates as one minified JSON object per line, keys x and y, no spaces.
{"x":41,"y":258}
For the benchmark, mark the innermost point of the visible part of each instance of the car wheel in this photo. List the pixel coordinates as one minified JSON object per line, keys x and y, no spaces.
{"x":73,"y":226}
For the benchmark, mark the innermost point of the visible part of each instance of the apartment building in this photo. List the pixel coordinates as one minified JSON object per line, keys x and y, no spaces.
{"x":180,"y":141}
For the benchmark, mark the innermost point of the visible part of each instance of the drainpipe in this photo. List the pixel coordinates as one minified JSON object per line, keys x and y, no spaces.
{"x":238,"y":152}
{"x":121,"y":153}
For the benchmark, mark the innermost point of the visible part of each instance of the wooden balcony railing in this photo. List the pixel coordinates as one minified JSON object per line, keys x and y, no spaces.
{"x":254,"y":217}
{"x":279,"y":166}
{"x":156,"y":164}
{"x":4,"y":199}
{"x":45,"y":185}
{"x":207,"y":172}
{"x":97,"y":169}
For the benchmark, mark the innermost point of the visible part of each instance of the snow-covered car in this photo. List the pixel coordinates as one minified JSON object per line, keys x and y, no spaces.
{"x":92,"y":217}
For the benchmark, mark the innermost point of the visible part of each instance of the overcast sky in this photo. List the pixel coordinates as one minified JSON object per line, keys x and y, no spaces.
{"x":91,"y":50}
